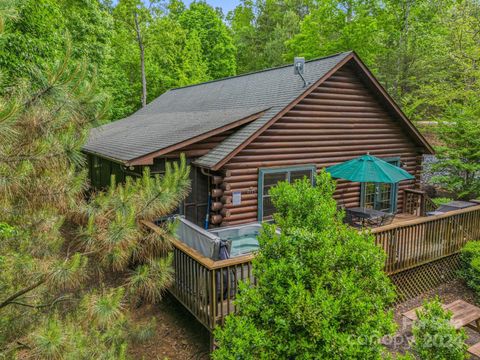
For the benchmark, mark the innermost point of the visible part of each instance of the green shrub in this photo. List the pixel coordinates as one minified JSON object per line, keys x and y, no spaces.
{"x":321,"y":291}
{"x":470,"y":265}
{"x":435,"y":337}
{"x":441,"y":200}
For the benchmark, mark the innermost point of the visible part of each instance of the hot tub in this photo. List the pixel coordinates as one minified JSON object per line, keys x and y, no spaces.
{"x":243,"y":238}
{"x":238,"y":240}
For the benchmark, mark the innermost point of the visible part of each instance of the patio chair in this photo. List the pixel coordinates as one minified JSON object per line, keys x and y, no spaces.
{"x":387,"y":219}
{"x":351,"y":219}
{"x":381,"y":221}
{"x":373,"y":222}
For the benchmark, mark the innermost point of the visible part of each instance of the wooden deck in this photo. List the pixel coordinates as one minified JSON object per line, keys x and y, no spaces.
{"x":403,"y":217}
{"x":207,"y":288}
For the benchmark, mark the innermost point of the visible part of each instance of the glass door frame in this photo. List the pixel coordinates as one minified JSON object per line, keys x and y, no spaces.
{"x":393,"y":191}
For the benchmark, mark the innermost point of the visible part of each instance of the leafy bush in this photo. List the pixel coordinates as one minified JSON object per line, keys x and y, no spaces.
{"x":470,"y":265}
{"x":441,"y":200}
{"x":435,"y":337}
{"x":321,"y":293}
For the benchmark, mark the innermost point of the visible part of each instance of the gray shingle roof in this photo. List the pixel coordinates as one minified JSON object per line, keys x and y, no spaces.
{"x":148,"y":131}
{"x":183,"y":113}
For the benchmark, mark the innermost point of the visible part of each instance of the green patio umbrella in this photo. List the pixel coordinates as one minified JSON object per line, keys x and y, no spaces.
{"x":368,"y":168}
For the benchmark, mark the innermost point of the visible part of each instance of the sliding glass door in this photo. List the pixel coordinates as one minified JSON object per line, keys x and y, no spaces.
{"x":380,"y":196}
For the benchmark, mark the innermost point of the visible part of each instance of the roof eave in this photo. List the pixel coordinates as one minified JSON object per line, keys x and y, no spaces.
{"x":148,"y":158}
{"x":112,"y":159}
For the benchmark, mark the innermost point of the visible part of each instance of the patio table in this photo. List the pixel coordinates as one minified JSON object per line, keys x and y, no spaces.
{"x":463,"y":314}
{"x":364,"y":213}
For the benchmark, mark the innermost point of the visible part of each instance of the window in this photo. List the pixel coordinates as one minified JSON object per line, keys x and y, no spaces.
{"x":269,"y":177}
{"x":380,"y":196}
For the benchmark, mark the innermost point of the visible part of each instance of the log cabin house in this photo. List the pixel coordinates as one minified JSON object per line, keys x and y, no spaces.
{"x":243,"y":134}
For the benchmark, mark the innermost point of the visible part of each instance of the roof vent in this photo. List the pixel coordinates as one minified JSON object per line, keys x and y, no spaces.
{"x":299,"y":68}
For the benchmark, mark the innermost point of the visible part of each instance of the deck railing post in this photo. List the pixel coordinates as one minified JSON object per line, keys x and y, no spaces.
{"x":213,"y":299}
{"x":422,"y":204}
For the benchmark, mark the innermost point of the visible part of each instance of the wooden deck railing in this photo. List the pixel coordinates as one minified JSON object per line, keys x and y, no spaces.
{"x":419,"y":241}
{"x":207,"y":288}
{"x":417,"y":202}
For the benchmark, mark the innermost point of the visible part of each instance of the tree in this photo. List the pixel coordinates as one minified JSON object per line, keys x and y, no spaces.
{"x":135,"y":17}
{"x":451,"y":75}
{"x":43,"y":126}
{"x":470,"y":261}
{"x":435,"y":337}
{"x":321,"y":291}
{"x":217,"y":44}
{"x":66,"y":280}
{"x":113,"y":233}
{"x":36,"y":38}
{"x":262,"y":28}
{"x":194,"y":69}
{"x":336,"y":26}
{"x":459,"y":155}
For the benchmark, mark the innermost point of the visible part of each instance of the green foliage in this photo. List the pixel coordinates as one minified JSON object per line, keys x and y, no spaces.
{"x":98,"y":330}
{"x":216,"y":42}
{"x":38,"y":36}
{"x":182,"y":45}
{"x":44,"y":124}
{"x":262,"y":28}
{"x":321,"y":291}
{"x":441,"y":201}
{"x":459,"y":155}
{"x":144,"y":331}
{"x":6,"y":230}
{"x":331,"y":28}
{"x":116,"y":238}
{"x":435,"y":337}
{"x":194,"y":68}
{"x":61,"y":294}
{"x":470,"y":270}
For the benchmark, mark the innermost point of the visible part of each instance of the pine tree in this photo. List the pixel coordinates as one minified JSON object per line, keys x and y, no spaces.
{"x":70,"y":269}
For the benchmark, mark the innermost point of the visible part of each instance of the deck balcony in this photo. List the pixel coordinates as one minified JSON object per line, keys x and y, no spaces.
{"x":207,"y":288}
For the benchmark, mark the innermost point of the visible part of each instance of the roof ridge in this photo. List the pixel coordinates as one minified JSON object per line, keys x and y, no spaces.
{"x":259,"y":71}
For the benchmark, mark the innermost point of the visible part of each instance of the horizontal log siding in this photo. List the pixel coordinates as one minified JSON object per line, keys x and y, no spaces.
{"x":338,"y":121}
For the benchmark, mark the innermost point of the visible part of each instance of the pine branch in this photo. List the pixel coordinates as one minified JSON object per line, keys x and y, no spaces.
{"x":24,"y":291}
{"x":52,"y":303}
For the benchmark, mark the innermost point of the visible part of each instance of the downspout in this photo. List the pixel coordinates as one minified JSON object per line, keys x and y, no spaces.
{"x":209,"y":201}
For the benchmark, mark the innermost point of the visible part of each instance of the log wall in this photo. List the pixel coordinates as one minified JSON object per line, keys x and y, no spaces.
{"x":338,"y":121}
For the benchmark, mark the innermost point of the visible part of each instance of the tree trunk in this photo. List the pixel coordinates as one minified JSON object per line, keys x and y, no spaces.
{"x":142,"y":60}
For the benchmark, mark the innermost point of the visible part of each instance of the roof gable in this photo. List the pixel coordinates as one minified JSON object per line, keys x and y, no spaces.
{"x":226,"y":150}
{"x":187,"y":113}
